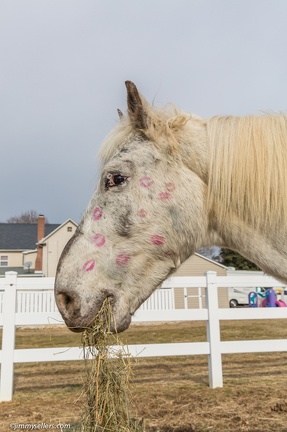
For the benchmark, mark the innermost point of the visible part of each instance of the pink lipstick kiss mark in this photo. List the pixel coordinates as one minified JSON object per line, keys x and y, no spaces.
{"x":99,"y":240}
{"x":97,"y":214}
{"x":146,"y":182}
{"x":163,"y":196}
{"x":157,"y":240}
{"x":89,"y":265}
{"x":122,"y":259}
{"x":142,"y":213}
{"x":170,"y":187}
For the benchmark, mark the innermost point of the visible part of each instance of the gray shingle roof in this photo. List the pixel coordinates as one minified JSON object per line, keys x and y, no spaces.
{"x":21,"y":236}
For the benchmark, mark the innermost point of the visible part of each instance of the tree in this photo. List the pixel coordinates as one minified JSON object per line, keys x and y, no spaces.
{"x":29,"y":216}
{"x":211,"y":252}
{"x":229,"y":258}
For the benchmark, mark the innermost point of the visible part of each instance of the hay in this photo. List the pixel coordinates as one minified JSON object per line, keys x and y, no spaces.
{"x":107,"y":379}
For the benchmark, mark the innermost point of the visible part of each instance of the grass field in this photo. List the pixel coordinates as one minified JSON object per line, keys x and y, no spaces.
{"x":170,"y":394}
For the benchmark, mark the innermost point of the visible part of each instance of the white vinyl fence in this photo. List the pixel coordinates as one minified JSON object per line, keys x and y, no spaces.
{"x":30,"y":301}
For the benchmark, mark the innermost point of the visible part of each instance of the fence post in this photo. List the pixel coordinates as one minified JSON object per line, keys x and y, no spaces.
{"x":213,"y":332}
{"x":8,"y":337}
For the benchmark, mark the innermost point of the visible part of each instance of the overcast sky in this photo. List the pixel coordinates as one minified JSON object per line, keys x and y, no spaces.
{"x":63,"y":67}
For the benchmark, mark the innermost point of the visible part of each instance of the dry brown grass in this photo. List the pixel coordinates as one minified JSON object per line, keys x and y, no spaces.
{"x":171,"y":394}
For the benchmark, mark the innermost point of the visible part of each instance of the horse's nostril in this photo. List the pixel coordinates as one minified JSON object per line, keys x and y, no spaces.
{"x":68,"y":299}
{"x":68,"y":303}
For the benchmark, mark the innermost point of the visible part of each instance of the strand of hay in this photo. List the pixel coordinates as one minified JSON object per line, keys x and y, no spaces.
{"x":107,"y":379}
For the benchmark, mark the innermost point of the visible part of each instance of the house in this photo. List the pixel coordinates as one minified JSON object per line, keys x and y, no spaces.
{"x":53,"y":244}
{"x":32,"y":248}
{"x":198,"y":265}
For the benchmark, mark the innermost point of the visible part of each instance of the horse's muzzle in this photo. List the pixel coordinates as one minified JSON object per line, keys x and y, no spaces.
{"x":79,"y":315}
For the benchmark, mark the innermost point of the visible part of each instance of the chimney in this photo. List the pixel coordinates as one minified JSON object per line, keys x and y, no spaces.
{"x":40,"y":235}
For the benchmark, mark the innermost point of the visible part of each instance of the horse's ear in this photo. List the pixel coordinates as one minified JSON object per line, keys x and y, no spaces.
{"x":136,"y":107}
{"x":120,"y":113}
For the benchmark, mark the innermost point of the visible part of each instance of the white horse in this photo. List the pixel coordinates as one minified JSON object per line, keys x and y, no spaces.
{"x":170,"y":184}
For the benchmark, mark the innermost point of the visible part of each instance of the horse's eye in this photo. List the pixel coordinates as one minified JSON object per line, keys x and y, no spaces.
{"x":115,"y":180}
{"x":119,"y":179}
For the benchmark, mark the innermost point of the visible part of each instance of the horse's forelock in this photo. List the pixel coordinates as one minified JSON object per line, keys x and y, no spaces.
{"x":115,"y":140}
{"x":164,"y":127}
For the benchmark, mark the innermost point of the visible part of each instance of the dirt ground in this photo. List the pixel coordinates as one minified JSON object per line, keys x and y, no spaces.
{"x":170,"y":394}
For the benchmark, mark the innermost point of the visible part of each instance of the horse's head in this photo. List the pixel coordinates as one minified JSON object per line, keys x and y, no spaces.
{"x":147,"y":215}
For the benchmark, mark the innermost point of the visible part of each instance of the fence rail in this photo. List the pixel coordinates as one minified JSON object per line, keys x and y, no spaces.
{"x":31,"y":302}
{"x":37,"y":296}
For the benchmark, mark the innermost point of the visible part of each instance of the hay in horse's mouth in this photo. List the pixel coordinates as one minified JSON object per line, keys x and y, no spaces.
{"x":107,"y":378}
{"x":109,"y":325}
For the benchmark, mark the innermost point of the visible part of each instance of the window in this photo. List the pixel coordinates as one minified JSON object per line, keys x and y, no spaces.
{"x":69,"y":229}
{"x":3,"y":260}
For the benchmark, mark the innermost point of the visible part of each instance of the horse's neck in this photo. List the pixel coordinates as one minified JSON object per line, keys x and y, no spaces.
{"x":269,"y":252}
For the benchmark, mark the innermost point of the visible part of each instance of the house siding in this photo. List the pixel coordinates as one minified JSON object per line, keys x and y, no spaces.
{"x":15,"y":258}
{"x":30,"y":256}
{"x":54,"y":246}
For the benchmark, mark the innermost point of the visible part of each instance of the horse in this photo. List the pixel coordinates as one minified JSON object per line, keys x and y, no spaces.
{"x":171,"y":183}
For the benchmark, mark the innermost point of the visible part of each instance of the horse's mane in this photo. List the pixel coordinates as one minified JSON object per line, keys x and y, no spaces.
{"x":248,"y":169}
